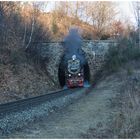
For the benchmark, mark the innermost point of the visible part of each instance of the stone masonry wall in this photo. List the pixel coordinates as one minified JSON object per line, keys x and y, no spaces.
{"x":95,"y":54}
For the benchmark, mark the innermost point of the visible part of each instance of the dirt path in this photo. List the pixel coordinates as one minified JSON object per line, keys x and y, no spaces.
{"x":93,"y":111}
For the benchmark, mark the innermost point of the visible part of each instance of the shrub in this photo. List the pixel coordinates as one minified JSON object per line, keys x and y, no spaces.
{"x":122,"y":53}
{"x":17,"y":56}
{"x":54,"y":27}
{"x":104,"y":37}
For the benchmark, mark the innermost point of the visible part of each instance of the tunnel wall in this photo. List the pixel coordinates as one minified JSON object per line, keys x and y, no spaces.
{"x":94,"y":52}
{"x":54,"y":53}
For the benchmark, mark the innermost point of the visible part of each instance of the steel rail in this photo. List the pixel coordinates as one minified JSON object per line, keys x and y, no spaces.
{"x":31,"y":102}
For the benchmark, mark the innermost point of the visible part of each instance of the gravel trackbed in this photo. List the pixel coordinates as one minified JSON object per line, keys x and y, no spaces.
{"x":92,"y":111}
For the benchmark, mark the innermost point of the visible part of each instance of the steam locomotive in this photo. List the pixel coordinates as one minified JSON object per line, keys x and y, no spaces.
{"x":73,"y":68}
{"x":74,"y":73}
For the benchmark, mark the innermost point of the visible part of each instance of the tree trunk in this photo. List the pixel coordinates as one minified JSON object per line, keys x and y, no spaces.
{"x":32,"y":30}
{"x":24,"y":37}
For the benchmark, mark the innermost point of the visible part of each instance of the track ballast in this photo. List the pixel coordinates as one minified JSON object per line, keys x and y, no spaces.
{"x":31,"y":102}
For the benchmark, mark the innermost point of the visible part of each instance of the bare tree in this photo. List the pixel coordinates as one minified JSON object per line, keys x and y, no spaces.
{"x":98,"y":14}
{"x":8,"y":19}
{"x":76,"y":9}
{"x":101,"y":15}
{"x":136,"y":10}
{"x":32,"y":27}
{"x":34,"y":13}
{"x":61,"y":8}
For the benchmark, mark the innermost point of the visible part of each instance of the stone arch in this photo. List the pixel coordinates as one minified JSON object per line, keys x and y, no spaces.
{"x":55,"y":55}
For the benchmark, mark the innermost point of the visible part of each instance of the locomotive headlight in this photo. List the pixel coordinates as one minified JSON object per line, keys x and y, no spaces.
{"x":79,"y":74}
{"x":69,"y":75}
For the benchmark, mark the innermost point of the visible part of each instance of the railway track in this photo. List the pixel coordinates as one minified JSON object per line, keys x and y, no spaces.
{"x":18,"y":114}
{"x":31,"y":102}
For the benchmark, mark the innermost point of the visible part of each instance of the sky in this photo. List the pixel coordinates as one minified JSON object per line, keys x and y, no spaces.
{"x":127,"y":10}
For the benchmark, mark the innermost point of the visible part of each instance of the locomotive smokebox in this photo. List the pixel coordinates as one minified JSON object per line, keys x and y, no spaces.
{"x":73,"y":59}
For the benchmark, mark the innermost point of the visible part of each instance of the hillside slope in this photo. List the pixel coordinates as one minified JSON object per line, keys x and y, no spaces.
{"x":20,"y":76}
{"x":59,"y":25}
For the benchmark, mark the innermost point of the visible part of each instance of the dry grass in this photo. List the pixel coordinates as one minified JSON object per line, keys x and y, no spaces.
{"x":20,"y":77}
{"x":128,"y":126}
{"x":125,"y":120}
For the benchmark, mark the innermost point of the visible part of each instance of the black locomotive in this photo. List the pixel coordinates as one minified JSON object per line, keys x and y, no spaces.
{"x":74,"y":73}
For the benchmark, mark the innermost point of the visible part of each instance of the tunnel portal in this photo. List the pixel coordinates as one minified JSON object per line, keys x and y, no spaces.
{"x":61,"y":73}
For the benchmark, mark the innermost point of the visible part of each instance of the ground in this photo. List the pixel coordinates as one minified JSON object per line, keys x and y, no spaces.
{"x":100,"y":114}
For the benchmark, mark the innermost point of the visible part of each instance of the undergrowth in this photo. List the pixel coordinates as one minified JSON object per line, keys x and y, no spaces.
{"x":124,"y":52}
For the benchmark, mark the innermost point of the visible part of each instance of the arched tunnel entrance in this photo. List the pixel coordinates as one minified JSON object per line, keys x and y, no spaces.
{"x":61,"y":73}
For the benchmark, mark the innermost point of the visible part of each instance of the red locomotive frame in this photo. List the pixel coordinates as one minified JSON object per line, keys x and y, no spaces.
{"x":75,"y":80}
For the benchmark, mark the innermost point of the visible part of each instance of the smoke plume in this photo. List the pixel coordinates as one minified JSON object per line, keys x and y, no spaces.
{"x":72,"y":45}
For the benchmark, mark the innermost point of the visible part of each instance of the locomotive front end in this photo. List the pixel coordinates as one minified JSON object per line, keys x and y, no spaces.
{"x":74,"y":73}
